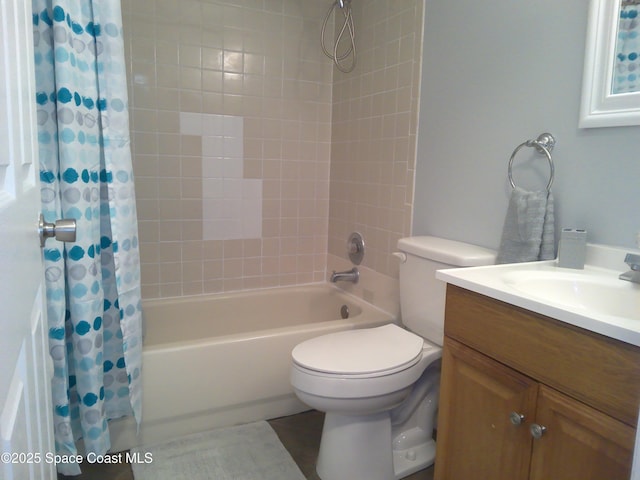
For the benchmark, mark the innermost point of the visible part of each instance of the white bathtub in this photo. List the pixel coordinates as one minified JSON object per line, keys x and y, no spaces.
{"x":218,"y":360}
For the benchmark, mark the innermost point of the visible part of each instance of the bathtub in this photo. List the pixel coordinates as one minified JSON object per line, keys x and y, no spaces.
{"x":217,"y":360}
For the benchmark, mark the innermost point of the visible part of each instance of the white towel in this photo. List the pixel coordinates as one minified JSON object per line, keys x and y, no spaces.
{"x":528,"y":233}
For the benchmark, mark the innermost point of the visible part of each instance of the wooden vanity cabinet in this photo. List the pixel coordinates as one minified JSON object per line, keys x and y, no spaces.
{"x":506,"y":370}
{"x":582,"y":443}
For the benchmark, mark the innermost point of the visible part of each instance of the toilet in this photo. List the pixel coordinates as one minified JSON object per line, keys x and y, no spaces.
{"x":379,"y":386}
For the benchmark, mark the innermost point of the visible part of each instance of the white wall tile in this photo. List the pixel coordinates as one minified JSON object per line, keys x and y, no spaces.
{"x":232,"y":126}
{"x":252,"y":188}
{"x":232,"y":167}
{"x":232,"y":187}
{"x":212,"y":188}
{"x":212,"y":167}
{"x":213,"y":146}
{"x":233,"y":147}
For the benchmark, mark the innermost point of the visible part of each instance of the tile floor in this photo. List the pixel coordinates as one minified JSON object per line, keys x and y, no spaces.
{"x":300,"y":434}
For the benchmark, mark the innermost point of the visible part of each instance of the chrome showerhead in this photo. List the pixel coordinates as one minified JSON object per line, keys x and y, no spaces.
{"x":347,"y":27}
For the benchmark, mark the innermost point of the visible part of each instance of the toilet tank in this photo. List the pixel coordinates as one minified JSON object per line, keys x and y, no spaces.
{"x":422,"y":296}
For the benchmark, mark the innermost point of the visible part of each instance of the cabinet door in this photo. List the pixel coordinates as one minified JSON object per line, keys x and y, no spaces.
{"x":579,"y":442}
{"x":476,"y":438}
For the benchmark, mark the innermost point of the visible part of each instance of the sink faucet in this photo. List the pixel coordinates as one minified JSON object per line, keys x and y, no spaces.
{"x":632,"y":275}
{"x":349,"y":276}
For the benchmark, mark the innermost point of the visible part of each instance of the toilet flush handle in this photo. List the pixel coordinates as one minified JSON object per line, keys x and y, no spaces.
{"x":401,"y":255}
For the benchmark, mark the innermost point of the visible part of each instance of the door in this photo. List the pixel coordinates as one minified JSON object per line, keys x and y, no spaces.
{"x":579,"y":441}
{"x":477,"y":399}
{"x":25,"y":400}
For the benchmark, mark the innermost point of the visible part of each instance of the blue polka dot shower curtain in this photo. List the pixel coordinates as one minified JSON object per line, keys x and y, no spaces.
{"x":93,"y":285}
{"x":626,"y":75}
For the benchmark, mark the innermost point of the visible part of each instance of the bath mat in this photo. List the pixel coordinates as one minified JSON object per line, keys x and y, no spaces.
{"x":244,"y":452}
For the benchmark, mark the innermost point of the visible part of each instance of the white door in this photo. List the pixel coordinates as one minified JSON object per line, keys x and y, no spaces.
{"x":26,"y":425}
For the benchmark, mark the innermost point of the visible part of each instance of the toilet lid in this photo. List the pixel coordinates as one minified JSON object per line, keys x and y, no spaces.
{"x":357,"y":352}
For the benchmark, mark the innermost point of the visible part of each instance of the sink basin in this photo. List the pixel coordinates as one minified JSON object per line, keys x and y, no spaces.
{"x":590,"y":291}
{"x":594,"y":299}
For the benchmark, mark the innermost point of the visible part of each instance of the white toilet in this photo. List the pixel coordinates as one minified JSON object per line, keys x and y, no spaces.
{"x":379,"y":386}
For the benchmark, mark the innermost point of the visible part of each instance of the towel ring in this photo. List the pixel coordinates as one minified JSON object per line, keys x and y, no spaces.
{"x":544,"y":144}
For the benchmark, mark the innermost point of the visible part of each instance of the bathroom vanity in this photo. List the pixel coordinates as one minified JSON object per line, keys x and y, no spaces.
{"x":509,"y":374}
{"x":525,"y":395}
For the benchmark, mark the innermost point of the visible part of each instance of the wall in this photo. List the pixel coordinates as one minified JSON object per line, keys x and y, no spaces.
{"x":254,"y":158}
{"x":494,"y":75}
{"x":374,"y":124}
{"x":230,"y":107}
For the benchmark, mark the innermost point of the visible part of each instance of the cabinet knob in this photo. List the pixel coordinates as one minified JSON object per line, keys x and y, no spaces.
{"x":516,"y":418}
{"x":537,"y":430}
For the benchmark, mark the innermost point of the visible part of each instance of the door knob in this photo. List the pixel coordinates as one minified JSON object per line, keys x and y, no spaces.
{"x":537,"y":430}
{"x":64,"y":230}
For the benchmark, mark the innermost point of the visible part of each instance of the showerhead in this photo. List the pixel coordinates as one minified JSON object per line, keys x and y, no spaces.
{"x":349,"y":28}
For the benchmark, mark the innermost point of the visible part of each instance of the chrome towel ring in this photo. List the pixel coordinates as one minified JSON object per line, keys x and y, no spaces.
{"x":543,"y":144}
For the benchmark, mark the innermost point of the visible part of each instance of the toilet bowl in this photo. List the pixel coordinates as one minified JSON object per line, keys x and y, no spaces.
{"x":358,"y":378}
{"x":360,"y":371}
{"x":379,"y":386}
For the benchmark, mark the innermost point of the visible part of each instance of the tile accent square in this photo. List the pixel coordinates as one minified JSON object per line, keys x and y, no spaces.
{"x":231,"y":204}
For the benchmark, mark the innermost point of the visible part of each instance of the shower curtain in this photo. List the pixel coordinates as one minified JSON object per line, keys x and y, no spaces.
{"x":93,"y":285}
{"x":626,"y":75}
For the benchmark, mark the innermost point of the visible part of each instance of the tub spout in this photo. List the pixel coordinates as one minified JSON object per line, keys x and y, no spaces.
{"x":349,"y":276}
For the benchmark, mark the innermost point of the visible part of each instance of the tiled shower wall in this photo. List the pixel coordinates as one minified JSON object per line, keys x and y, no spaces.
{"x":374,"y":124}
{"x":219,"y":214}
{"x":230,"y":112}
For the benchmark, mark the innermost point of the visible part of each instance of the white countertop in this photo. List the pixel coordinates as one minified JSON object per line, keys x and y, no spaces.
{"x":601,"y":312}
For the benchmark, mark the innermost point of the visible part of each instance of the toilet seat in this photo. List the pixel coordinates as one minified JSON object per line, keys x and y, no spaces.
{"x":363,"y":353}
{"x":400,"y":357}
